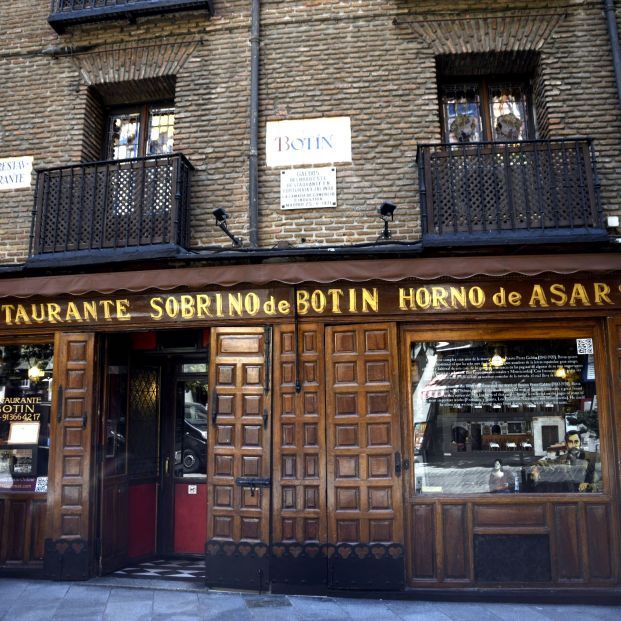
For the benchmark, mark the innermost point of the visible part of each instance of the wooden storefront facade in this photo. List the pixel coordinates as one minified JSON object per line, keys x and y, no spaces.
{"x":315,"y":476}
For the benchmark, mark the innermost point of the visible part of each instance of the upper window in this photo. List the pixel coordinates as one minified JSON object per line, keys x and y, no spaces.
{"x":508,"y":416}
{"x":485,"y":109}
{"x":143,"y":131}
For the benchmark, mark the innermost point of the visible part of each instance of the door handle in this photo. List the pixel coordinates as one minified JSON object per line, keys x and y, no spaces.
{"x":166,"y":465}
{"x":398,"y":464}
{"x":214,"y":410}
{"x":59,"y":403}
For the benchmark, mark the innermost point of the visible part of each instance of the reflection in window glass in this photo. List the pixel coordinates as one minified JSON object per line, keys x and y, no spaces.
{"x":191,"y":428}
{"x":508,"y":111}
{"x":461,"y":111}
{"x":124,"y":135}
{"x":161,"y":131}
{"x":115,"y":452}
{"x":25,"y":400}
{"x":505,"y":417}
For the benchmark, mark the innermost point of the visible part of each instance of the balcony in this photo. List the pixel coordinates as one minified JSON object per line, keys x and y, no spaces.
{"x":539,"y":191}
{"x":68,"y":12}
{"x":111,"y":210}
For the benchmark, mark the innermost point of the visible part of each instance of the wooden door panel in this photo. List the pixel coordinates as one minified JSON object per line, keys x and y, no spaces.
{"x":299,"y":550}
{"x":299,"y":438}
{"x":38,"y":511}
{"x":70,"y":458}
{"x":569,"y":562}
{"x":337,"y":499}
{"x":22,"y":530}
{"x":364,"y":492}
{"x":114,"y":524}
{"x":16,"y":522}
{"x":599,"y":542}
{"x":363,"y":435}
{"x":455,"y":564}
{"x":238,"y":453}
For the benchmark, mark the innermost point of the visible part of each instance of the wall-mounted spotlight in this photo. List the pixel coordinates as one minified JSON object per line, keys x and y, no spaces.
{"x":221,"y":217}
{"x":386,"y":212}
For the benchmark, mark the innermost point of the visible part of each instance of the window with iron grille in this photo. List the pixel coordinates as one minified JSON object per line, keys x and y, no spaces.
{"x":140,"y":131}
{"x":486,"y":109}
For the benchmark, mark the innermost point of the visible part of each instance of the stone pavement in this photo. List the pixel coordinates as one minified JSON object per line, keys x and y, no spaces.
{"x":145,"y":600}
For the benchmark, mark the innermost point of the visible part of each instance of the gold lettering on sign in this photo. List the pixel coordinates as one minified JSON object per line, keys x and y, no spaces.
{"x":238,"y":305}
{"x":601,"y":293}
{"x":70,"y":312}
{"x":320,"y":302}
{"x":438,"y":298}
{"x":577,"y":294}
{"x":219,"y":305}
{"x":501,"y":298}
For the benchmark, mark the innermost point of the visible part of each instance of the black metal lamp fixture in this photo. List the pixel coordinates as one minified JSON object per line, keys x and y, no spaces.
{"x":386,"y":212}
{"x":221,"y":217}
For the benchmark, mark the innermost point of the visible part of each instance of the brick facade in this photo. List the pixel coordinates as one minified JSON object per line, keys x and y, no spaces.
{"x":371,"y":60}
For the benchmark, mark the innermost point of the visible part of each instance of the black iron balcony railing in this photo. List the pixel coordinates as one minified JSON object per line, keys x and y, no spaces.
{"x":500,"y":192}
{"x":66,"y":12}
{"x":112,"y":205}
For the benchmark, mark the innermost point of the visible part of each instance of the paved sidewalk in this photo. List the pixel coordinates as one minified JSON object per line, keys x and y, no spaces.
{"x":143,"y":600}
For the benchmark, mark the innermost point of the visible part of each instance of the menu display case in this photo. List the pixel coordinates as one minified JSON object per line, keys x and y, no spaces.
{"x":25,"y":404}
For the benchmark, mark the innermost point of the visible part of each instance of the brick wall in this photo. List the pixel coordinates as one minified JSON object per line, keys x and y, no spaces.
{"x":371,"y":60}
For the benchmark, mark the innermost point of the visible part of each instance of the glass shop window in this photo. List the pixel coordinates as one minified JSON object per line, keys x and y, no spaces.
{"x":505,"y":417}
{"x":25,"y":402}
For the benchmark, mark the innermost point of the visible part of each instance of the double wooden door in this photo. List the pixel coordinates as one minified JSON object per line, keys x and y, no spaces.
{"x":304,"y":471}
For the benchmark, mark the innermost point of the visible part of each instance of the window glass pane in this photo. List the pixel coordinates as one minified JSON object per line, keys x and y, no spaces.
{"x":25,"y":402}
{"x":194,"y":367}
{"x":462,"y":112}
{"x":143,"y":423}
{"x":161,"y":131}
{"x":115,"y":453}
{"x":191,"y":431}
{"x":508,"y":111}
{"x":505,"y":417}
{"x":116,"y":422}
{"x":124,"y":136}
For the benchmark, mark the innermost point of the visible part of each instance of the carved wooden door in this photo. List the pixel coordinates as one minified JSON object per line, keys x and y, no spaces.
{"x":239,"y":458}
{"x":365,"y":509}
{"x":337,"y":514}
{"x":69,"y":548}
{"x":300,"y":529}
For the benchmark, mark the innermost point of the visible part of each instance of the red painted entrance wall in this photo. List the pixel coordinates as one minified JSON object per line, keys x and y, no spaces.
{"x":190,"y":519}
{"x":142,"y":511}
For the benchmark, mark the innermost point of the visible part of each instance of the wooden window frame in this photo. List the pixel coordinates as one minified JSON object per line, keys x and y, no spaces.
{"x":484,"y":83}
{"x":504,"y":331}
{"x":144,"y":111}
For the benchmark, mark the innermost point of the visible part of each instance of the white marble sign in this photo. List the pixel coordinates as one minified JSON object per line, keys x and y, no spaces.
{"x":308,"y":141}
{"x":15,"y":172}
